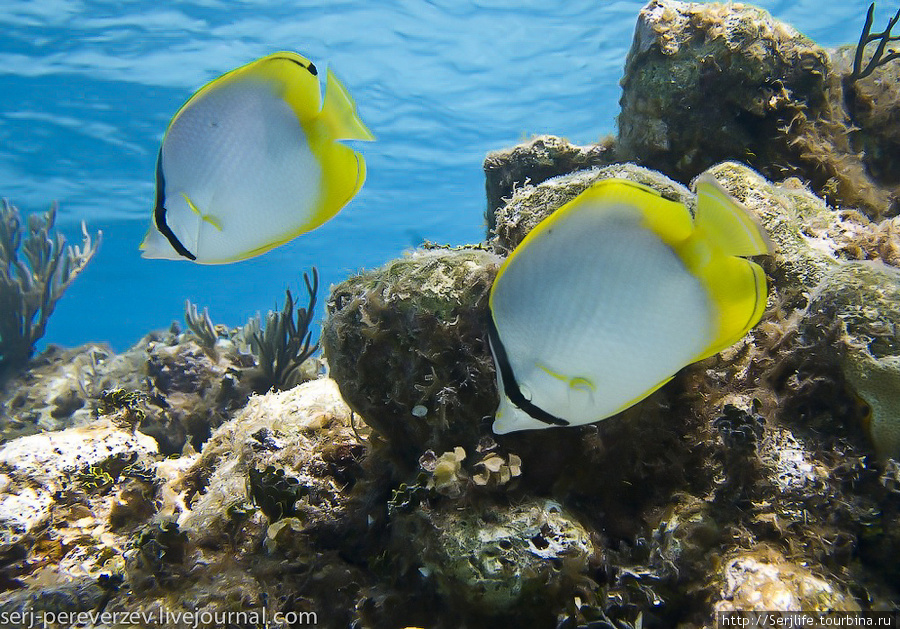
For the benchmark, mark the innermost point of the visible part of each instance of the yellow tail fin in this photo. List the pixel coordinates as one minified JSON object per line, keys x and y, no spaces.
{"x":339,"y":112}
{"x":726,"y":223}
{"x":738,"y":289}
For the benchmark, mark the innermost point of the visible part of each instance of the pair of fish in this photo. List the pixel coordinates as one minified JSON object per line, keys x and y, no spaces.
{"x":599,"y":306}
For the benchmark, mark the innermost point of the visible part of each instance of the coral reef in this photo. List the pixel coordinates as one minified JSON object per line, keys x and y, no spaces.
{"x":30,"y":287}
{"x":514,"y":559}
{"x":186,"y":533}
{"x":765,"y":477}
{"x":178,"y":390}
{"x":858,"y":306}
{"x":764,"y":580}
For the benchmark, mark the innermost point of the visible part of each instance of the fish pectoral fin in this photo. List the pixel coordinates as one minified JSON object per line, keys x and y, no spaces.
{"x":339,"y":112}
{"x":206,"y":218}
{"x":578,"y":383}
{"x":212,"y":220}
{"x":582,"y":384}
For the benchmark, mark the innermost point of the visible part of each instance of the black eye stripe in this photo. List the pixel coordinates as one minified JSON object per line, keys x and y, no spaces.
{"x":159,"y":213}
{"x":511,"y":386}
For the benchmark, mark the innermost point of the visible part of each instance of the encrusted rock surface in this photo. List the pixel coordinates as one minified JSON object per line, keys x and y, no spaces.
{"x":707,"y":82}
{"x":513,"y":556}
{"x":180,"y":390}
{"x":537,"y":160}
{"x":407,"y":345}
{"x":856,"y":310}
{"x":530,"y":204}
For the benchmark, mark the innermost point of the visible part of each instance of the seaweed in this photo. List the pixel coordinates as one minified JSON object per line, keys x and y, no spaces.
{"x":31,"y":287}
{"x":283,"y":345}
{"x":280,"y":347}
{"x":878,"y":57}
{"x":201,"y":325}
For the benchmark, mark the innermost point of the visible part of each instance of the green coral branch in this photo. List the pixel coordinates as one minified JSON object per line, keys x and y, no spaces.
{"x":285,"y":343}
{"x":280,"y":347}
{"x":878,"y":58}
{"x":201,"y":325}
{"x":30,"y":287}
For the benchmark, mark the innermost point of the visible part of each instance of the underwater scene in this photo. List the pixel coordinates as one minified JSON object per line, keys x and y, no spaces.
{"x":437,"y":315}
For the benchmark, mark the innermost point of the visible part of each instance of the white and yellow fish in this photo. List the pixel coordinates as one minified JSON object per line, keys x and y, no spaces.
{"x":252,"y":161}
{"x":608,"y":297}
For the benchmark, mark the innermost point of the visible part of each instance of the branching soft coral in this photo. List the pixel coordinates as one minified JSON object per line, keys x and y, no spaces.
{"x":30,"y":287}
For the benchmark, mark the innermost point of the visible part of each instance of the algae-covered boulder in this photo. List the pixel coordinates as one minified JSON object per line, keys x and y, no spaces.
{"x":256,"y":519}
{"x":763,"y":580}
{"x":858,"y":306}
{"x":62,"y":501}
{"x":531,"y":204}
{"x":707,"y":82}
{"x":177,"y":391}
{"x":535,"y":161}
{"x":529,"y":556}
{"x":407,"y":345}
{"x":291,"y":454}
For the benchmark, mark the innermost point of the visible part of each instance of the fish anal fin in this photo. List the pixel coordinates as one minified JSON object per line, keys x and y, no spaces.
{"x":339,"y":112}
{"x":725,"y":221}
{"x":738,"y":291}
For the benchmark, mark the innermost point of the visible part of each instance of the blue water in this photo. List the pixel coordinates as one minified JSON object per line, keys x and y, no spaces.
{"x":87,"y":89}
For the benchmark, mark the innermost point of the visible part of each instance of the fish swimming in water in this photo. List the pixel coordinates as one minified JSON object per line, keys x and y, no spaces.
{"x":608,"y":297}
{"x":252,"y":161}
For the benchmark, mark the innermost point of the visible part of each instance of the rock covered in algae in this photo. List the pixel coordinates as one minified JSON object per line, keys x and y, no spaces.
{"x":873,"y":104}
{"x":407,"y":345}
{"x":532,"y":162}
{"x":764,"y":580}
{"x":490,"y":561}
{"x":530,"y":204}
{"x":68,"y":499}
{"x":178,"y":390}
{"x":254,"y":519}
{"x":707,"y":82}
{"x":291,"y":454}
{"x":855,"y":310}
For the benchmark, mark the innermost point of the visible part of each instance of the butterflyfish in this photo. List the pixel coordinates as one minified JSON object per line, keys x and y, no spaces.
{"x":612,"y":294}
{"x":252,"y":160}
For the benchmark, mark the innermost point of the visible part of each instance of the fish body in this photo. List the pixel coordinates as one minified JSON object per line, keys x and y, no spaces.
{"x":252,"y":161}
{"x":607,"y":298}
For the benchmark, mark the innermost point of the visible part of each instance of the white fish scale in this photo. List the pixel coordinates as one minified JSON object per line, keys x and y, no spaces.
{"x":242,"y":157}
{"x":601,"y":298}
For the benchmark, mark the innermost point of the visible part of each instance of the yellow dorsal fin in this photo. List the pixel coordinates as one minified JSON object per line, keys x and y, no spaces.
{"x":339,"y":112}
{"x":726,"y":223}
